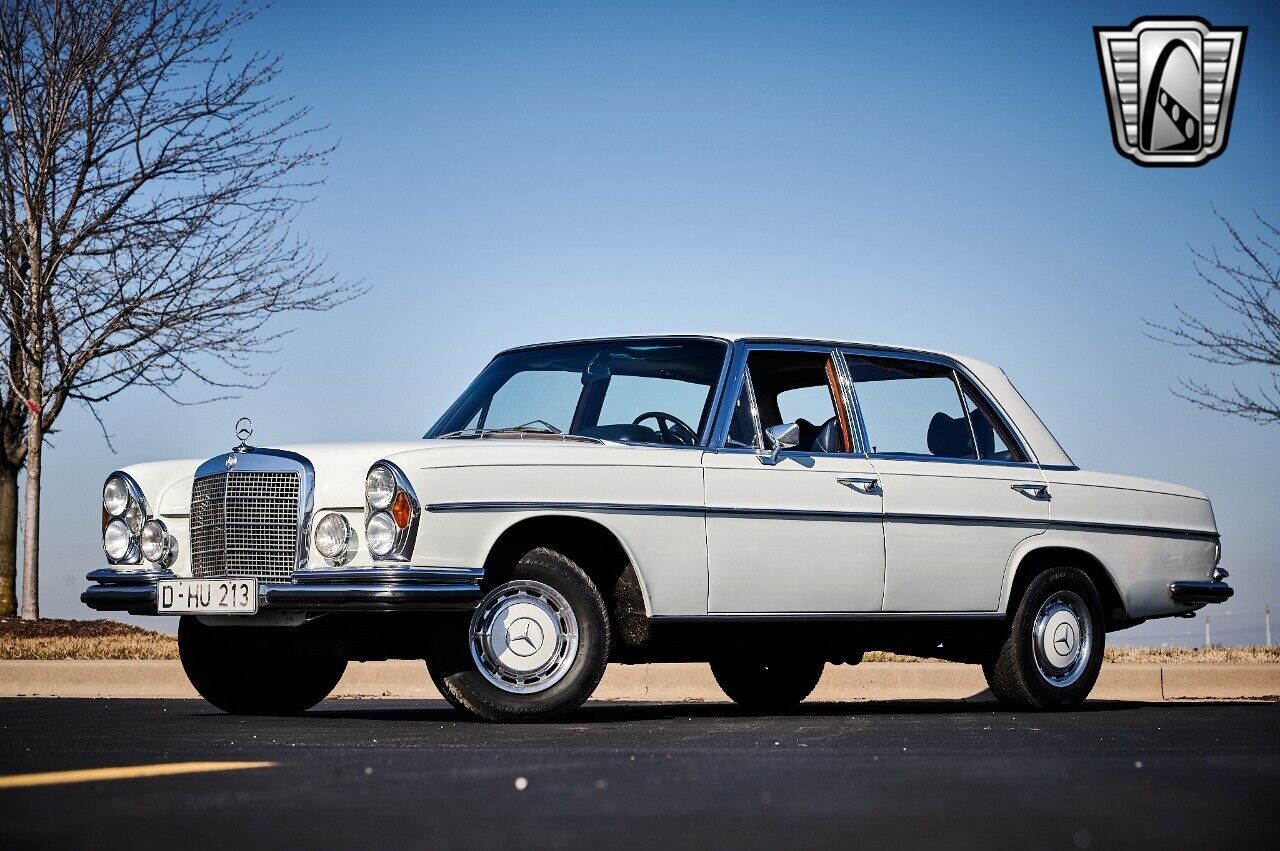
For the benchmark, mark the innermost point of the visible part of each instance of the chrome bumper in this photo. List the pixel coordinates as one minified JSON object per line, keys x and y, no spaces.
{"x":375,"y":589}
{"x":1196,"y":593}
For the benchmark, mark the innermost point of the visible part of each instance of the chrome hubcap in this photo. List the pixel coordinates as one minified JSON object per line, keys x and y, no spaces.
{"x":1062,"y":638}
{"x":524,"y":637}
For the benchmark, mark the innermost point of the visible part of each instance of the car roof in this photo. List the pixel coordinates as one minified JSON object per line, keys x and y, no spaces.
{"x":732,"y":337}
{"x":1044,"y":446}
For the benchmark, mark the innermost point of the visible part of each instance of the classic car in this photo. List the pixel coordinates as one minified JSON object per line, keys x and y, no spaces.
{"x":764,"y":505}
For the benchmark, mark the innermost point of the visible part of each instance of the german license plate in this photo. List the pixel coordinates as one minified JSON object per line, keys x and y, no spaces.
{"x":208,"y":596}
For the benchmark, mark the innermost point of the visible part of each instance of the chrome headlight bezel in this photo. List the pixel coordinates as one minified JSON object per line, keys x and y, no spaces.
{"x":403,"y":496}
{"x":133,"y":515}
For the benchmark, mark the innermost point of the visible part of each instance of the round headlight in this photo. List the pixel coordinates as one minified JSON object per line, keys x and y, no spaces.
{"x":381,"y":534}
{"x":117,"y":539}
{"x":333,"y":537}
{"x":379,"y":488}
{"x":155,"y":541}
{"x":115,"y":496}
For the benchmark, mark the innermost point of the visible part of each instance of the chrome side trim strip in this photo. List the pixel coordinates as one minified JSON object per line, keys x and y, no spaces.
{"x":1131,"y":529}
{"x":800,"y":514}
{"x":596,"y":507}
{"x":717,"y":617}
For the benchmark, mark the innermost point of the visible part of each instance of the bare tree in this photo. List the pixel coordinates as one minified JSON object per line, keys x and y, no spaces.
{"x":1246,"y":281}
{"x":148,"y":184}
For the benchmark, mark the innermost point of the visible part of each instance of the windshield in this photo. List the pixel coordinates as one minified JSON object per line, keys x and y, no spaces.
{"x":633,"y":391}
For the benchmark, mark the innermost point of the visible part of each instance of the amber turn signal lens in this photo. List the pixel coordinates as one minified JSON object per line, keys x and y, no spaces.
{"x":401,"y":510}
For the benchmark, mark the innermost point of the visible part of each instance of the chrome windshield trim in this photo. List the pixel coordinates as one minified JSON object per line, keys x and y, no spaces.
{"x":715,"y":397}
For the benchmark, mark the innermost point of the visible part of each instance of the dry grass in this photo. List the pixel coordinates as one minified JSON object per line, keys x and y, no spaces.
{"x":104,"y":639}
{"x":68,"y":639}
{"x":1233,"y":655}
{"x":1154,"y":655}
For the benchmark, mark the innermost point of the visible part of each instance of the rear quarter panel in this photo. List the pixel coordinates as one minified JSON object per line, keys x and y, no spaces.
{"x":1146,"y":534}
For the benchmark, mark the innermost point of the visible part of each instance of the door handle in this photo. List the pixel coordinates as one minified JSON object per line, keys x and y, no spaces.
{"x":861,"y":484}
{"x":1032,"y":490}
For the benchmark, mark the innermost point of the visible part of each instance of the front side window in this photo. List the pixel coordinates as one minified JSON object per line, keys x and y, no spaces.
{"x":800,"y":387}
{"x":635,"y":391}
{"x":911,"y":408}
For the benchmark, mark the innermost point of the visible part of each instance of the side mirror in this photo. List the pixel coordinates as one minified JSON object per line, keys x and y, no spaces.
{"x":785,"y":436}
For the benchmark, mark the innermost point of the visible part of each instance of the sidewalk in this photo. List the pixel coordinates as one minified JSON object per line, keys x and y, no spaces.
{"x":666,"y":682}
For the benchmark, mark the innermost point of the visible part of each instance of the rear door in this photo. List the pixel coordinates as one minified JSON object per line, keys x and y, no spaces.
{"x":959,"y":492}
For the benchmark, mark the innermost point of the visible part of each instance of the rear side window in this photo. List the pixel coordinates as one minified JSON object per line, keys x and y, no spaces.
{"x":911,"y":408}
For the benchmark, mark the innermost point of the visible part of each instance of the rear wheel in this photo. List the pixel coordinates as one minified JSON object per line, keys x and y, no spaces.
{"x":535,"y":647}
{"x":767,"y":684}
{"x":1053,"y":653}
{"x":254,"y":670}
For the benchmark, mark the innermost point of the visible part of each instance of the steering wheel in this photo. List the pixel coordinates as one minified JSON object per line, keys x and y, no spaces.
{"x":672,"y":428}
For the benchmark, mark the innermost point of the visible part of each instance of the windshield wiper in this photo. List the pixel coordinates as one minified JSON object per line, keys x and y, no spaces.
{"x":531,"y":427}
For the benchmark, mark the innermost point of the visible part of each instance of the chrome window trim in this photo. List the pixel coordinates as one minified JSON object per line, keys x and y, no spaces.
{"x":272,"y":461}
{"x":857,"y":428}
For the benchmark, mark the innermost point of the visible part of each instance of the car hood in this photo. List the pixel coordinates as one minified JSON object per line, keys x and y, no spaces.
{"x":340,"y":468}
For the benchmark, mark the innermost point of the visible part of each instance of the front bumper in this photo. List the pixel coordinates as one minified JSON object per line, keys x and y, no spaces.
{"x":396,"y":589}
{"x":1199,"y":593}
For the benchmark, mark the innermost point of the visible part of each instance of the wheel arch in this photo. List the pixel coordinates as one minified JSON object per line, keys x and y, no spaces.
{"x":1042,"y":556}
{"x":596,"y":548}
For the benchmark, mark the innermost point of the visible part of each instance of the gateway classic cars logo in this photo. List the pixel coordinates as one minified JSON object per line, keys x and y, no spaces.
{"x":1170,"y":85}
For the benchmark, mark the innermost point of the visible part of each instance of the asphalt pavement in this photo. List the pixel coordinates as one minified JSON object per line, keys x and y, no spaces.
{"x":384,"y":774}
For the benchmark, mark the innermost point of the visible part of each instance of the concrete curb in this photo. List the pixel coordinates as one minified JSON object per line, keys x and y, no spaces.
{"x":665,"y":683}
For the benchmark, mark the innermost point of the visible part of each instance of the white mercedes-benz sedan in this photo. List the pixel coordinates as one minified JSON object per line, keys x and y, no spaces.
{"x":766,"y":505}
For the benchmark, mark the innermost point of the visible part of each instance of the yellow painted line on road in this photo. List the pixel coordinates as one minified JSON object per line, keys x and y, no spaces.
{"x":123,"y":772}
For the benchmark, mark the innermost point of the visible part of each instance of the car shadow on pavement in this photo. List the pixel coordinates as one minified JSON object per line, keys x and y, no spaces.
{"x":610,"y":712}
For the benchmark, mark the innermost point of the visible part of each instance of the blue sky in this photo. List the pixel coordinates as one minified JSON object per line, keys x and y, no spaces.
{"x":935,"y":174}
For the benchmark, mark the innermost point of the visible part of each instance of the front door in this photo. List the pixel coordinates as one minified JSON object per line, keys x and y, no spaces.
{"x":802,"y":534}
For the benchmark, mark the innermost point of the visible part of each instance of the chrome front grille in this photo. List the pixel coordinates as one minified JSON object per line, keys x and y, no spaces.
{"x":246,"y":523}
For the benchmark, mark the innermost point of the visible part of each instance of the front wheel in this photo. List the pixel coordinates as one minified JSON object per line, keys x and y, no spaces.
{"x":535,"y":647}
{"x":767,"y":684}
{"x":246,"y":670}
{"x":1053,"y":653}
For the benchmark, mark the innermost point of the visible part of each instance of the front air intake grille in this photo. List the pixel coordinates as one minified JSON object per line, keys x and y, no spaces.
{"x":245,"y":524}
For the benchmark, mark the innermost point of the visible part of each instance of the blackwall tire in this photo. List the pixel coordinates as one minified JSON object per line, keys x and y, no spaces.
{"x":254,"y":670}
{"x":1053,"y":653}
{"x":767,"y":684}
{"x":535,"y":647}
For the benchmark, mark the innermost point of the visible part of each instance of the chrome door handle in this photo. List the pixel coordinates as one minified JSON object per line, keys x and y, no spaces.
{"x":1033,"y":491}
{"x":861,"y":484}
